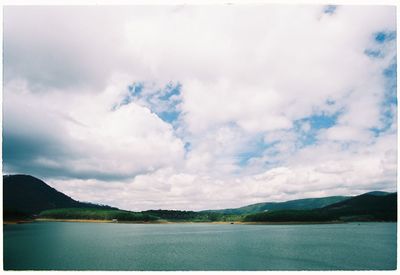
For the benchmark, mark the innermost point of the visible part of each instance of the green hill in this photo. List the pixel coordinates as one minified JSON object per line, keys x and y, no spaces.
{"x":301,"y":204}
{"x":366,"y":207}
{"x":25,"y":196}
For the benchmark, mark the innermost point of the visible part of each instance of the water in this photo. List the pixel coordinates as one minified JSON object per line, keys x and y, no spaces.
{"x":102,"y":246}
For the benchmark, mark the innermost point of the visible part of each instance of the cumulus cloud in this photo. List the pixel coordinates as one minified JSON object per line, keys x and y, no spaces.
{"x":81,"y":135}
{"x":201,"y":106}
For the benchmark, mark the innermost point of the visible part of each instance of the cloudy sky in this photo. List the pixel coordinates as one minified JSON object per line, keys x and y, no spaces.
{"x":201,"y":107}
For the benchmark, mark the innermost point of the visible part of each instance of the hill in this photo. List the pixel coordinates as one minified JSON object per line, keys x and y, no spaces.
{"x":25,"y":196}
{"x":301,"y":204}
{"x":365,"y":207}
{"x":369,"y":206}
{"x":378,"y":193}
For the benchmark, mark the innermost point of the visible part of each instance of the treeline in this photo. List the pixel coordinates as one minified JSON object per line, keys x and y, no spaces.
{"x":319,"y":216}
{"x":150,"y":215}
{"x":96,"y":214}
{"x":365,"y":207}
{"x":290,"y":216}
{"x":177,"y":215}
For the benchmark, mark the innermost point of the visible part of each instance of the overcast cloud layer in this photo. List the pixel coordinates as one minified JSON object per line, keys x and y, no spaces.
{"x":201,"y":107}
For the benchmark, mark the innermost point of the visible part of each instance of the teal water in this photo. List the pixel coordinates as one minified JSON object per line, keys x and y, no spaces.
{"x":97,"y":246}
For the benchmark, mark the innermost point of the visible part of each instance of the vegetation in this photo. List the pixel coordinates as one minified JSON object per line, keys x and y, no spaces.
{"x":121,"y":215}
{"x":176,"y":215}
{"x":302,"y":204}
{"x":96,"y":214}
{"x":289,"y":216}
{"x":26,"y":197}
{"x":366,"y":207}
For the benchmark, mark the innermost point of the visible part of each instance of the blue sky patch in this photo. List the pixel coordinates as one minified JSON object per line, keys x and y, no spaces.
{"x":256,"y":149}
{"x":323,"y":121}
{"x":136,"y":88}
{"x":391,"y":71}
{"x":169,"y":117}
{"x":170,"y":90}
{"x":315,"y":122}
{"x":306,"y":135}
{"x":163,"y":102}
{"x":330,"y":9}
{"x":330,"y":102}
{"x":382,"y":37}
{"x":374,"y":53}
{"x":389,"y":103}
{"x":320,"y":121}
{"x":170,"y":97}
{"x":187,"y":146}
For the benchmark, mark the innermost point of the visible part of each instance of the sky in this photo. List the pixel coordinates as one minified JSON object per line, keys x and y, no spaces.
{"x":197,"y":107}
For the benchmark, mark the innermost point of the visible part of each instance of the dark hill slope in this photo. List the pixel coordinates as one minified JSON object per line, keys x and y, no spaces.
{"x":301,"y":204}
{"x":24,"y":196}
{"x":364,"y":207}
{"x":377,"y":207}
{"x":378,"y":193}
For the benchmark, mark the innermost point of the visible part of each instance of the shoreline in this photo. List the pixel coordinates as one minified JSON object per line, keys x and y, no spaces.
{"x":175,"y":222}
{"x":125,"y":222}
{"x":292,"y":223}
{"x":17,"y":221}
{"x":55,"y":220}
{"x":166,"y":222}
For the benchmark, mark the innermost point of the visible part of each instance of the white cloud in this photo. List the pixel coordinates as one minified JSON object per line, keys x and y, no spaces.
{"x":93,"y":139}
{"x":314,"y":172}
{"x":249,"y":74}
{"x":346,"y":133}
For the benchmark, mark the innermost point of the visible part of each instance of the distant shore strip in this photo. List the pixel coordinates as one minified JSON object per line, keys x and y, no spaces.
{"x":164,"y":222}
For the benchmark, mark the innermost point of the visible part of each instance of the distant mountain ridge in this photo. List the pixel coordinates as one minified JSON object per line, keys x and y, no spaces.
{"x":24,"y":196}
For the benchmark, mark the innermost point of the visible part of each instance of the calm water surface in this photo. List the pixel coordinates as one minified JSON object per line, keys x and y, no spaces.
{"x":97,"y":246}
